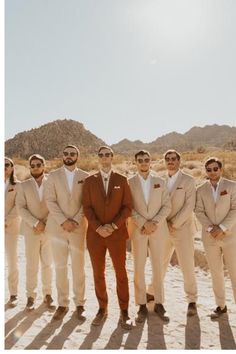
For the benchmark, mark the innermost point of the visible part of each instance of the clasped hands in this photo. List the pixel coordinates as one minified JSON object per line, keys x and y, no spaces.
{"x":217,"y":232}
{"x":148,"y":228}
{"x":39,"y":228}
{"x":69,"y":225}
{"x":105,"y":230}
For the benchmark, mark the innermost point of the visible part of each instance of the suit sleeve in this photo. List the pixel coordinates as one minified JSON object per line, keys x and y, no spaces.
{"x":165,"y":209}
{"x":230,"y":220}
{"x":126,"y":207}
{"x":21,"y":206}
{"x":200,"y":211}
{"x":185,"y":212}
{"x":13,"y":212}
{"x":88,"y":210}
{"x":51,"y":200}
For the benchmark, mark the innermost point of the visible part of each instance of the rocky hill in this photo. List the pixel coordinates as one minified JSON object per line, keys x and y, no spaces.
{"x":49,"y":140}
{"x":219,"y":136}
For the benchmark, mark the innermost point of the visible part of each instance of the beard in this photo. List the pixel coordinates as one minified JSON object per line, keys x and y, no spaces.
{"x":69,"y":162}
{"x":37,"y":175}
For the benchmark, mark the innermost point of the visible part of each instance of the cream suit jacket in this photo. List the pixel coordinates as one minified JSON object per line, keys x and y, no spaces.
{"x":183,"y":198}
{"x":158,"y":206}
{"x":223,"y":211}
{"x":62,"y":203}
{"x":12,"y":219}
{"x":29,"y":206}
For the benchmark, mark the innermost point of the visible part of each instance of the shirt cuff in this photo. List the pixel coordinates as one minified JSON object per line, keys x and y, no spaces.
{"x":115,"y":227}
{"x":36,"y":223}
{"x":209,"y":228}
{"x":223,"y":228}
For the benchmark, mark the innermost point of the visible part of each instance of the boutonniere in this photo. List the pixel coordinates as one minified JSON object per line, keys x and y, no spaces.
{"x":156,"y":185}
{"x":116,"y":187}
{"x":10,"y":190}
{"x":179,"y":188}
{"x":223,"y":192}
{"x":80,"y":181}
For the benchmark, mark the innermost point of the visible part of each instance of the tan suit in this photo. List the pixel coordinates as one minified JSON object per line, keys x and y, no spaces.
{"x":62,"y":205}
{"x":157,"y":209}
{"x":37,"y":246}
{"x":12,"y":226}
{"x":222,"y":212}
{"x":183,"y":197}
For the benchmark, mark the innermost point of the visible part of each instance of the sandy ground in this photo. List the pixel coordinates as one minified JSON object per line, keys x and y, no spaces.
{"x":36,"y":329}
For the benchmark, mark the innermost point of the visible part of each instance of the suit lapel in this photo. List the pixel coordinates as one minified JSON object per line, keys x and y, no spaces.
{"x":139,"y":189}
{"x":64,"y":180}
{"x":176,"y":184}
{"x":111,"y":183}
{"x":210,"y":194}
{"x":100,"y":184}
{"x":220,"y":189}
{"x":34,"y":189}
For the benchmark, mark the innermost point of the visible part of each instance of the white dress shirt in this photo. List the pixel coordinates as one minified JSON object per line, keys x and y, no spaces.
{"x":70,"y":177}
{"x":7,"y":184}
{"x":39,"y":189}
{"x":171,"y":181}
{"x":146,"y":186}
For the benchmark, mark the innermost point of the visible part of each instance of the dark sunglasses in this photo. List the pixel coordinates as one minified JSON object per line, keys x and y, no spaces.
{"x":215,"y":169}
{"x":7,"y":165}
{"x":170,"y":159}
{"x":107,"y":154}
{"x":143,"y":160}
{"x":35,"y":165}
{"x":72,"y":154}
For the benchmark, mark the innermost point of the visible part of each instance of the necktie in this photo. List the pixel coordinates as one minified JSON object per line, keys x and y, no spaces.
{"x":106,"y":184}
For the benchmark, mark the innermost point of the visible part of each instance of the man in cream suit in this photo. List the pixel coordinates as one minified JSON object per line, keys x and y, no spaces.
{"x":67,"y":226}
{"x":33,"y":211}
{"x":182,"y":193}
{"x":12,"y":226}
{"x":148,"y":232}
{"x":216,"y":211}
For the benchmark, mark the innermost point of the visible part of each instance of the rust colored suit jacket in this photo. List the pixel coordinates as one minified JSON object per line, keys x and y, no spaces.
{"x":100,"y":209}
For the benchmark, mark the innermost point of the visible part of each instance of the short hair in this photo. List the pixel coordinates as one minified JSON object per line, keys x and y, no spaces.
{"x":106,"y":147}
{"x":213,"y":159}
{"x":172,"y":151}
{"x":12,"y":178}
{"x":37,"y":157}
{"x":73,"y":147}
{"x":142,"y":152}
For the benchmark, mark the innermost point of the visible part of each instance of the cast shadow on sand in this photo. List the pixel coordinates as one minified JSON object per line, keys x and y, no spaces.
{"x":225,"y":332}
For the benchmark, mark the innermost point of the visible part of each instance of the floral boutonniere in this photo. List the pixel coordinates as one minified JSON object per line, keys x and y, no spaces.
{"x":223,"y":192}
{"x":157,"y":186}
{"x":80,"y":181}
{"x":11,"y":190}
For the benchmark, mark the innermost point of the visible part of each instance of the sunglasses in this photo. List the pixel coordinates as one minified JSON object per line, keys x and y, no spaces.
{"x":36,"y":165}
{"x":143,"y":160}
{"x":107,"y":154}
{"x":7,"y":165}
{"x":215,"y":169}
{"x":72,"y":154}
{"x":170,"y":159}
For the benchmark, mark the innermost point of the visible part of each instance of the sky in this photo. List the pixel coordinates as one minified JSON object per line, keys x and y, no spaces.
{"x":133,"y":69}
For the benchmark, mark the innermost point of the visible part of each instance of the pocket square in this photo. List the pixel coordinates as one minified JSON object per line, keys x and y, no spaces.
{"x":80,"y":181}
{"x":179,"y":188}
{"x":223,"y":192}
{"x":11,"y":190}
{"x":157,"y":185}
{"x":116,"y":187}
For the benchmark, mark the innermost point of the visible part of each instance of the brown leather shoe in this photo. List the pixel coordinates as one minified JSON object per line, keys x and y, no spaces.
{"x":100,"y":317}
{"x":79,"y":310}
{"x":13,"y":301}
{"x":149,"y":297}
{"x":218,"y":312}
{"x":48,"y":300}
{"x":192,"y":309}
{"x":142,"y":314}
{"x":30,"y":303}
{"x":160,"y":311}
{"x":61,"y":311}
{"x":124,"y":320}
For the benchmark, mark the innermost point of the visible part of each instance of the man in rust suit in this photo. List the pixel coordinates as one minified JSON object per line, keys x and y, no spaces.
{"x":107,"y":204}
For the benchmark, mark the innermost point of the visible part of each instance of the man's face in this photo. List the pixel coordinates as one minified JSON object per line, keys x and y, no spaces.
{"x":8,"y":168}
{"x":105,"y":158}
{"x":172,"y":162}
{"x":143,"y":163}
{"x":213,"y":171}
{"x":70,"y":156}
{"x":36,"y":168}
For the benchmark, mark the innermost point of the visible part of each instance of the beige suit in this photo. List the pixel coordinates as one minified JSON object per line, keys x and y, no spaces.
{"x":62,"y":205}
{"x":12,"y":225}
{"x":37,"y":246}
{"x":222,"y":212}
{"x":157,"y":209}
{"x":183,"y":197}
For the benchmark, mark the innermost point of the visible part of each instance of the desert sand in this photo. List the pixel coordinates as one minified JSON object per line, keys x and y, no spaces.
{"x":36,"y":330}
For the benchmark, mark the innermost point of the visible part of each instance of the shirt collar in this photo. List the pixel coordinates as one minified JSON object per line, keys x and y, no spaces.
{"x":175,"y":176}
{"x":68,"y":171}
{"x":105,"y":175}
